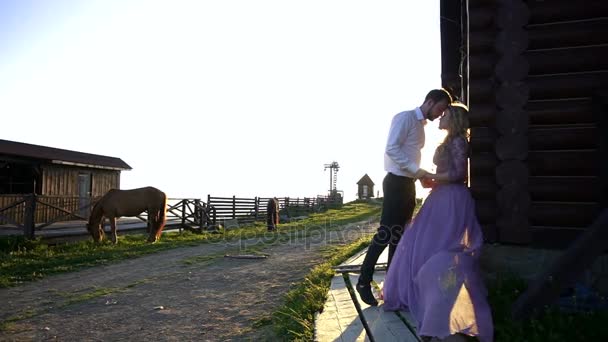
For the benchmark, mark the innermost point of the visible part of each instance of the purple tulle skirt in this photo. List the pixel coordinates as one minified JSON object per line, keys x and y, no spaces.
{"x":434,"y":273}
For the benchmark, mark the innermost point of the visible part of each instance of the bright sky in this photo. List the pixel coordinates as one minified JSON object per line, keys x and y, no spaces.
{"x":232,"y":97}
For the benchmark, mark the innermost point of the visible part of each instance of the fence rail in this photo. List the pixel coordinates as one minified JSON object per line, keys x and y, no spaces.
{"x":31,"y":212}
{"x":246,"y":210}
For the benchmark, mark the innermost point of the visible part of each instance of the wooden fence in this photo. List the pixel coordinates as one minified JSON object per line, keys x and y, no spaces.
{"x":31,"y":213}
{"x":246,"y":210}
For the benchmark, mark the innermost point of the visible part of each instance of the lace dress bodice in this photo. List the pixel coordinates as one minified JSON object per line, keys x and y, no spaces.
{"x":451,"y":156}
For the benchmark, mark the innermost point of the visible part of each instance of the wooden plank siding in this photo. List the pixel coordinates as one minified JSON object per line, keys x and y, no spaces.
{"x":43,"y":212}
{"x":60,"y":188}
{"x":63,"y":181}
{"x":16,"y":213}
{"x":553,"y":54}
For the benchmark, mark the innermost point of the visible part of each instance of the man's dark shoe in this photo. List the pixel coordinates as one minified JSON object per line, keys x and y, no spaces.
{"x":365,"y":292}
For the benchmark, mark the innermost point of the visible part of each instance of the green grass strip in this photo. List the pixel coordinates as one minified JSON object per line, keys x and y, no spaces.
{"x":294,"y":321}
{"x":22,"y":260}
{"x":550,"y":325}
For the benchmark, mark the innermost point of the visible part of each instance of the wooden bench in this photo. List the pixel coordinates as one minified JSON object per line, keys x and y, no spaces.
{"x":346,"y":318}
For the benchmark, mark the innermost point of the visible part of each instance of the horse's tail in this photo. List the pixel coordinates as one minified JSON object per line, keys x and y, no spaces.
{"x":162,"y":215}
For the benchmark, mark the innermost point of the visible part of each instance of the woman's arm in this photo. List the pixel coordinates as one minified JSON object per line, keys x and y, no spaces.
{"x":457,"y":170}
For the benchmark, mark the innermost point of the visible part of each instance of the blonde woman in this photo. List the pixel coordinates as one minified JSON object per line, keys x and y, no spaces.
{"x":434,"y":274}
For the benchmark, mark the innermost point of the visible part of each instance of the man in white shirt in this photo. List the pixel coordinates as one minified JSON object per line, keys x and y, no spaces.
{"x":402,"y":164}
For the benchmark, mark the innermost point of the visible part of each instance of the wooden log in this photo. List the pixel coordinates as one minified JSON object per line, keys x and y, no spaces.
{"x":512,"y":14}
{"x":483,"y":188}
{"x":542,"y":12}
{"x":563,"y":163}
{"x":512,"y":147}
{"x":482,"y":41}
{"x":511,"y":68}
{"x":511,"y":41}
{"x":569,"y":111}
{"x":486,"y":211}
{"x":512,"y":172}
{"x":571,"y":85}
{"x":513,"y":203}
{"x":482,"y":64}
{"x":481,"y":17}
{"x":564,"y":272}
{"x":582,"y":33}
{"x":571,"y":59}
{"x":509,"y":122}
{"x":246,"y":256}
{"x":482,"y":114}
{"x":483,"y":165}
{"x":482,"y":139}
{"x":562,"y":137}
{"x":482,"y":3}
{"x":564,"y":189}
{"x":482,"y":103}
{"x":381,"y":266}
{"x":481,"y":88}
{"x":512,"y":95}
{"x":563,"y":214}
{"x":600,"y":113}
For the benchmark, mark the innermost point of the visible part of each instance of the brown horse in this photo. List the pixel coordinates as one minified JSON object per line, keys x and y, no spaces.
{"x":116,"y":203}
{"x":272,"y":214}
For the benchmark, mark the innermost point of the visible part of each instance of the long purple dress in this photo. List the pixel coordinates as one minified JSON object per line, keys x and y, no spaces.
{"x":434,"y":273}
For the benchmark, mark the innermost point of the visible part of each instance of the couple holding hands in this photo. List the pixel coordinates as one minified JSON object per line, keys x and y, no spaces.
{"x":433,"y":258}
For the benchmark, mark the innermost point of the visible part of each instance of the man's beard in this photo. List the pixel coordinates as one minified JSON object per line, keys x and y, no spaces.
{"x":427,"y":115}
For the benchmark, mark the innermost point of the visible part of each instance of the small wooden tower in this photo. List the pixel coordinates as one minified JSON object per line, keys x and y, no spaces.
{"x":365,"y":187}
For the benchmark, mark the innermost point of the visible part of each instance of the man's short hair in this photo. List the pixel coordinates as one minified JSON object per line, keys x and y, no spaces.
{"x":438,"y":95}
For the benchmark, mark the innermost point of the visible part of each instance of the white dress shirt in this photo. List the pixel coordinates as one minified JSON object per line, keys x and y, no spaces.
{"x":405,"y":140}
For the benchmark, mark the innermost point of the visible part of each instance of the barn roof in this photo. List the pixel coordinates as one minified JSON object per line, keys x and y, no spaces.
{"x":365,"y":180}
{"x":60,"y":156}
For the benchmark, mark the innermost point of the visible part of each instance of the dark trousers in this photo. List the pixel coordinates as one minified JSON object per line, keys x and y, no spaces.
{"x":397,"y":210}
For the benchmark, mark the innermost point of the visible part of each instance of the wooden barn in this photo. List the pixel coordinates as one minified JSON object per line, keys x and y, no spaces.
{"x":365,"y":187}
{"x":67,"y":179}
{"x":534,"y":75}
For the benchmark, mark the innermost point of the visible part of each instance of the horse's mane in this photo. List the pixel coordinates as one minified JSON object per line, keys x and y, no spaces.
{"x":96,"y":210}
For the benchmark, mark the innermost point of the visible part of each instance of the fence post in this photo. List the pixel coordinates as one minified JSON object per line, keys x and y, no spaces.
{"x":29,"y":222}
{"x":257,"y":207}
{"x":198,"y":212}
{"x":233,"y":206}
{"x":183,"y":216}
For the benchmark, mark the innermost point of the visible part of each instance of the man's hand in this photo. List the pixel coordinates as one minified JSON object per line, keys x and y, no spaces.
{"x":420,"y":173}
{"x":427,"y":182}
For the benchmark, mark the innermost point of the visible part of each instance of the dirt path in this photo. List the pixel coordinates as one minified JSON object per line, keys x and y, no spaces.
{"x":204,"y":296}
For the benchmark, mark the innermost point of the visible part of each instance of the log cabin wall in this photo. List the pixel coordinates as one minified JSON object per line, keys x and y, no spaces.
{"x":567,"y":54}
{"x":533,"y":68}
{"x":479,"y":64}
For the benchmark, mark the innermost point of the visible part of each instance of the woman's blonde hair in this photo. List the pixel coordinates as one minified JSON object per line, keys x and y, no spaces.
{"x":459,"y":121}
